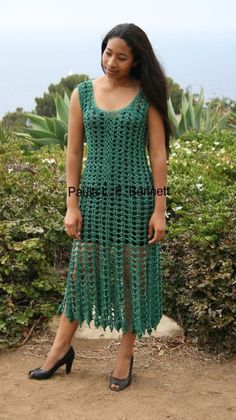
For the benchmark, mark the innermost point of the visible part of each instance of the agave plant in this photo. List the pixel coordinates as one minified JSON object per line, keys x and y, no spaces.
{"x":194,"y":116}
{"x":45,"y":130}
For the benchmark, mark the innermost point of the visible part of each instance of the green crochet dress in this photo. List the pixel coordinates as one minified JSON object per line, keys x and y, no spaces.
{"x":114,"y":276}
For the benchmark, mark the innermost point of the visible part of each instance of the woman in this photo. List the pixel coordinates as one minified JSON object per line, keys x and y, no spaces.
{"x":117,"y":217}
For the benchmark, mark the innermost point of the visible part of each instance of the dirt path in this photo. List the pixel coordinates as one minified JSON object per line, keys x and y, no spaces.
{"x":171,"y":380}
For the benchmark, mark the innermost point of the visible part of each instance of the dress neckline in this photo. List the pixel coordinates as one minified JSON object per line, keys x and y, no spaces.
{"x":115,"y":110}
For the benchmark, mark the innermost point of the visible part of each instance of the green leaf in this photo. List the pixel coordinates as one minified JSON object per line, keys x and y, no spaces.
{"x":38,"y":121}
{"x":62,"y":109}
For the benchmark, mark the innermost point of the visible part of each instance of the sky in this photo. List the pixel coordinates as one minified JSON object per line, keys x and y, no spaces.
{"x":81,"y":17}
{"x":43,"y":41}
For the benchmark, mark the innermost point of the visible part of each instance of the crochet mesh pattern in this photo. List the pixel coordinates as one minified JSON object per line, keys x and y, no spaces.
{"x":114,"y":276}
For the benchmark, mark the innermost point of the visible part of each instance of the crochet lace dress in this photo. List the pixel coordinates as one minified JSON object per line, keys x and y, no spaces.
{"x":114,"y":276}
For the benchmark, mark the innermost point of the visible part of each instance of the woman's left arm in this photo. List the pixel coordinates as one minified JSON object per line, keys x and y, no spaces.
{"x":158,"y":162}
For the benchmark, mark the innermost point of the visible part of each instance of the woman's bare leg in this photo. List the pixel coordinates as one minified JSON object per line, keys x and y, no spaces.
{"x":66,"y":329}
{"x":123,"y":358}
{"x":62,"y":342}
{"x":125,"y":351}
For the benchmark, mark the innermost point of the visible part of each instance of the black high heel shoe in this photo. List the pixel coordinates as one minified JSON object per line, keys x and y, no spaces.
{"x":122,"y":383}
{"x":67,"y":359}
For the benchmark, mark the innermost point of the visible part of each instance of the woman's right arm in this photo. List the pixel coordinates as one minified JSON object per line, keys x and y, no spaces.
{"x":74,"y":159}
{"x":75,"y":146}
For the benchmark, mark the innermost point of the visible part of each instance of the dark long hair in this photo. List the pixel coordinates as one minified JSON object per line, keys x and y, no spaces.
{"x":148,"y":71}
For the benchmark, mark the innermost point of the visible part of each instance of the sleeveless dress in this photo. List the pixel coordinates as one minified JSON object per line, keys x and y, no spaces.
{"x":114,"y":276}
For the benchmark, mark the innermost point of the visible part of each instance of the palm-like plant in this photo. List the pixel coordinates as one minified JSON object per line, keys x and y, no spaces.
{"x":194,"y":116}
{"x":45,"y":130}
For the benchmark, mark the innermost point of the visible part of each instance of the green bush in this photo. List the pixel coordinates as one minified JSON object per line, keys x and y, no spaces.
{"x":34,"y":247}
{"x":199,"y":249}
{"x":198,"y":253}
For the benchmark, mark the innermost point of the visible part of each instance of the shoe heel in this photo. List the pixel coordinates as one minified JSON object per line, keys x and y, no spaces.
{"x":68,"y":366}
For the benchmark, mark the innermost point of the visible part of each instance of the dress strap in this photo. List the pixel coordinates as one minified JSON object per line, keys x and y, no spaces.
{"x":81,"y":93}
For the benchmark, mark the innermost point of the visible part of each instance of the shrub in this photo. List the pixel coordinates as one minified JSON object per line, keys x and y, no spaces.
{"x":199,"y":250}
{"x":198,"y":253}
{"x":33,"y":244}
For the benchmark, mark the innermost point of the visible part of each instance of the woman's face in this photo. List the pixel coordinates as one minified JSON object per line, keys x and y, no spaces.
{"x":117,"y":58}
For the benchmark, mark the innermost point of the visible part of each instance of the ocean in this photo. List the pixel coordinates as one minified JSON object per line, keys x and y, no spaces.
{"x":29,"y":63}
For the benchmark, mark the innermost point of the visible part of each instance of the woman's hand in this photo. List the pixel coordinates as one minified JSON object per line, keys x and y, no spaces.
{"x":156,"y":227}
{"x":73,"y":222}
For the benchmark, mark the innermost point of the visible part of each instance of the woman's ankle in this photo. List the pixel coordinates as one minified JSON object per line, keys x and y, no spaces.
{"x":61,"y":347}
